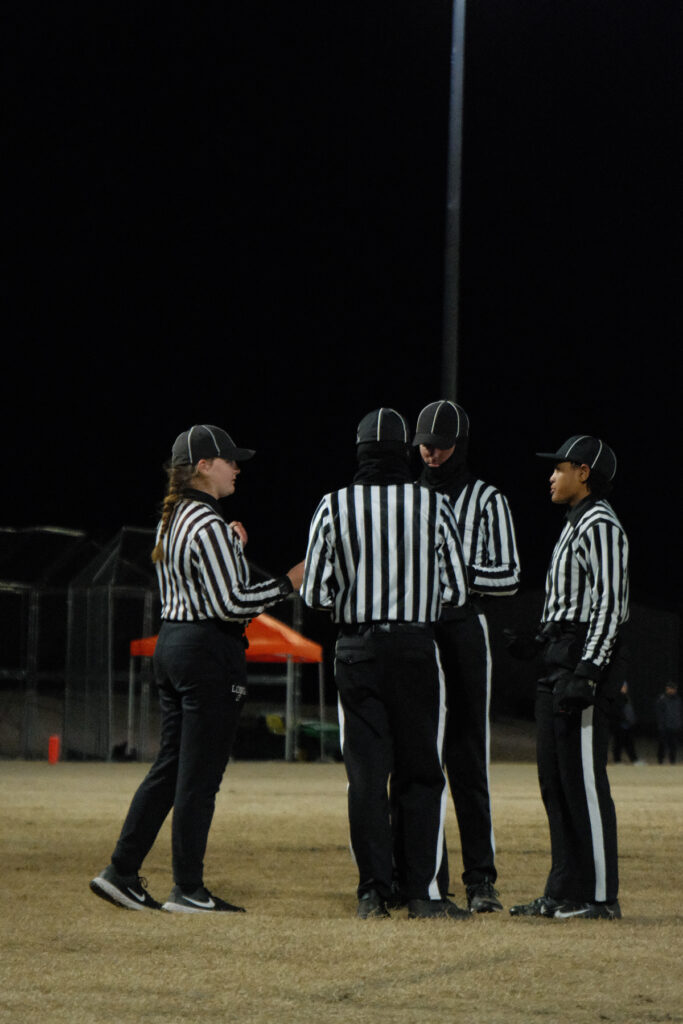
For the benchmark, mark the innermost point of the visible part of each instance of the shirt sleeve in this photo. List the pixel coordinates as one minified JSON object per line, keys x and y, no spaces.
{"x":223,"y":575}
{"x":604,"y":550}
{"x":452,"y":568}
{"x":319,"y":587}
{"x":496,"y":568}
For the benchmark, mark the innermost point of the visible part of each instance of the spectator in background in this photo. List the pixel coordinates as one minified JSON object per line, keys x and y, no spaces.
{"x":623,"y":728}
{"x":668,"y":715}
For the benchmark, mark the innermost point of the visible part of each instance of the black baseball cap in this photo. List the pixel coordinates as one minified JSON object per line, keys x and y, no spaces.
{"x":206,"y":442}
{"x":586,"y":450}
{"x":441,"y":424}
{"x":383,"y":425}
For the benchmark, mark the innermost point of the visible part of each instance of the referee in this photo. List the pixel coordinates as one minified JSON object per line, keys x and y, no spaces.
{"x":586,"y":602}
{"x":383,"y":557}
{"x":207,"y":599}
{"x":490,"y":550}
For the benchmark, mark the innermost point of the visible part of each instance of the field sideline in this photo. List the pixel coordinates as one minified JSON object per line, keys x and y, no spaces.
{"x":279,"y":847}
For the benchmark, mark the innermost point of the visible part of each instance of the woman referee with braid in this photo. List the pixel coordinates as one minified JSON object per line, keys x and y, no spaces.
{"x":207,"y":600}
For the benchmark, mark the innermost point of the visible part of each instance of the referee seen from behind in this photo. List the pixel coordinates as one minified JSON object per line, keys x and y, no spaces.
{"x":383,"y":557}
{"x":586,"y":602}
{"x":207,"y":600}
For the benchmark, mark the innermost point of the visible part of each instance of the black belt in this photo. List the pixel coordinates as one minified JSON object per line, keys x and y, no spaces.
{"x":361,"y":628}
{"x":231,"y":627}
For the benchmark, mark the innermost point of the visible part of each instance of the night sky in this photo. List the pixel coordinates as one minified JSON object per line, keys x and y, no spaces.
{"x":234,"y":214}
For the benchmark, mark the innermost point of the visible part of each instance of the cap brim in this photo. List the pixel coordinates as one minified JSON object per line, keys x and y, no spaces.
{"x":555,"y":456}
{"x":437,"y":440}
{"x":241,"y":454}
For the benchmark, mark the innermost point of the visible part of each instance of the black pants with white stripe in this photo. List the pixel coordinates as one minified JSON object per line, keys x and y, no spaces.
{"x":392,"y":718}
{"x":572,"y":772}
{"x":201,"y":673}
{"x":466,"y":659}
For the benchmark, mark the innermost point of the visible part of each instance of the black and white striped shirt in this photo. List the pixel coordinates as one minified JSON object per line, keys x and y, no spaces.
{"x":488,"y":539}
{"x":587,"y":579}
{"x":204,"y":574}
{"x":379,"y":553}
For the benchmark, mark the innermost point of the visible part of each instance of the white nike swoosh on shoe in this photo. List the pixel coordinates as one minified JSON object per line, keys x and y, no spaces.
{"x":206,"y":904}
{"x":138,"y":897}
{"x":571,"y":913}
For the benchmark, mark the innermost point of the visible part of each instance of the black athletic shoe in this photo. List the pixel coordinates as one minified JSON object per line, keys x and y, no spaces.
{"x":544,"y":906}
{"x":422,"y":909}
{"x":371,"y":904}
{"x":198,"y":902}
{"x":482,"y":898}
{"x":127,"y":891}
{"x":592,"y":911}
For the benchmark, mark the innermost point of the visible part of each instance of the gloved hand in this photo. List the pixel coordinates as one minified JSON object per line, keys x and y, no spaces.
{"x":571,"y":694}
{"x":523,"y":646}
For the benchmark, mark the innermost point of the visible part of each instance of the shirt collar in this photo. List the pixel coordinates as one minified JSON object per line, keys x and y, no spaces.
{"x":575,"y":513}
{"x":208,"y":499}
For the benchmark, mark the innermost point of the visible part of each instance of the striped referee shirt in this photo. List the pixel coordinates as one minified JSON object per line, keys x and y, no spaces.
{"x":379,"y":553}
{"x":204,"y":574}
{"x":587,"y":579}
{"x":488,"y":539}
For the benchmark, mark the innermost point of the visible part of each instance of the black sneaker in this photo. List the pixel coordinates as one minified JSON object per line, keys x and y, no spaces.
{"x":419,"y":909}
{"x":126,"y":891}
{"x":592,"y":911}
{"x":482,"y":898}
{"x":198,"y":902}
{"x":544,"y":906}
{"x":371,"y":904}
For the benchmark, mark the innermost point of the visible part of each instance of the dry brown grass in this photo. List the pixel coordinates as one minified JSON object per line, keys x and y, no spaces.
{"x":279,"y":845}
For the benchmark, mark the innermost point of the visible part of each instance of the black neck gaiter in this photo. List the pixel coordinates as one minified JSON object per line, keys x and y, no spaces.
{"x":448,"y":478}
{"x":383,"y":462}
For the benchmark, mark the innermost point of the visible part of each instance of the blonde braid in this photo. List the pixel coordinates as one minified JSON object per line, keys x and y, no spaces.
{"x":179,"y":478}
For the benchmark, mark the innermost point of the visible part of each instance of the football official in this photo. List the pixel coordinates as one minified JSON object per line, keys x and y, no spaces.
{"x":490,"y":550}
{"x":384,"y":557}
{"x":586,"y":602}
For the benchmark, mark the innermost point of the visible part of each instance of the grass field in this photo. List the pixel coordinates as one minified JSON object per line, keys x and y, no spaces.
{"x":279,"y":847}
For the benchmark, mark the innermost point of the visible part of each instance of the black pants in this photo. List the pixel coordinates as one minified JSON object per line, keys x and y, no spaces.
{"x":623,"y":739}
{"x":392,"y":718}
{"x":201,"y":674}
{"x":466,"y":659}
{"x":667,"y":745}
{"x":572,"y":772}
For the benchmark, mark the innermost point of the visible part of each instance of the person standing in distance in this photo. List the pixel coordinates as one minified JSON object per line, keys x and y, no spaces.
{"x":668,"y":718}
{"x":383,"y":557}
{"x":490,"y":550}
{"x":586,"y":602}
{"x":207,"y":600}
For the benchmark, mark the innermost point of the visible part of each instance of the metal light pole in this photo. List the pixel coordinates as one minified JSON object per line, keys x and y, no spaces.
{"x":449,"y":368}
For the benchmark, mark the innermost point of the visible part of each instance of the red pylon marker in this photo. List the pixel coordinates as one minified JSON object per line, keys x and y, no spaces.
{"x":53,"y":749}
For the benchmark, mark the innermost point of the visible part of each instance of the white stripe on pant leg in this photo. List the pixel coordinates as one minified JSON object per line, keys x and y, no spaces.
{"x":434,"y":893}
{"x":340,"y":716}
{"x":594,"y":816}
{"x":485,"y":631}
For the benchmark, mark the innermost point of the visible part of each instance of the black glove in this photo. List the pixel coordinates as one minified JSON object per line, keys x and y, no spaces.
{"x":573,"y":693}
{"x":524,"y":646}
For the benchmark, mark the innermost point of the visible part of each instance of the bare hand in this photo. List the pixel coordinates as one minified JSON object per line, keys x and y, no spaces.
{"x":240,"y":531}
{"x":296,"y":575}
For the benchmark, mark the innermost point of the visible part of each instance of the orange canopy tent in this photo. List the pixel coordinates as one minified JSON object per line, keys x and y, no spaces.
{"x":269,"y":641}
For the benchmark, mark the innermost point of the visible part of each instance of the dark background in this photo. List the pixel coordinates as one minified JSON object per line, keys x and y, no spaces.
{"x":234,"y":214}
